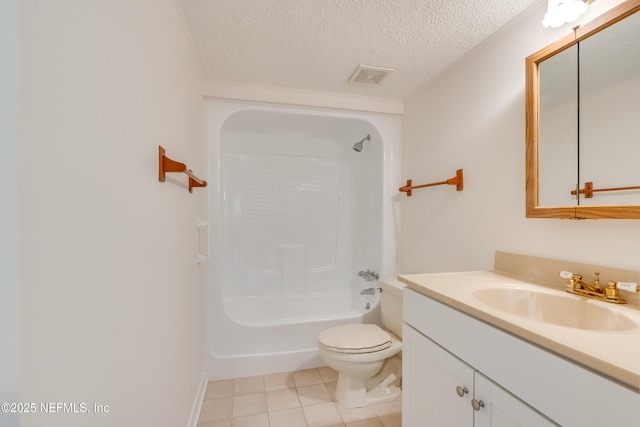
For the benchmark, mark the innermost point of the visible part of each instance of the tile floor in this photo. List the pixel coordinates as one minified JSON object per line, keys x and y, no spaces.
{"x":292,"y":399}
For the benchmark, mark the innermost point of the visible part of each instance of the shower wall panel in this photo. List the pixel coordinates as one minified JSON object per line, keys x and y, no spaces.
{"x":291,"y":224}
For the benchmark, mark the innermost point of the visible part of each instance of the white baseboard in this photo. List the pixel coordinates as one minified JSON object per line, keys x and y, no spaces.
{"x":197,"y":404}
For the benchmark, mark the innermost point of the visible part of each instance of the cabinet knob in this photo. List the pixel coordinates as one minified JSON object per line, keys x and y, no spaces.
{"x":477,"y":404}
{"x":461,"y":391}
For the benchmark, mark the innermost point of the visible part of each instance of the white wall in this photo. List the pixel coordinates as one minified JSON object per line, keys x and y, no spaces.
{"x":472,"y":117}
{"x":111,"y":292}
{"x":9,"y":209}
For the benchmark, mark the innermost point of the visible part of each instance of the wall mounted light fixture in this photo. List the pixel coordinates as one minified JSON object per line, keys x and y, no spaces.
{"x":560,"y":12}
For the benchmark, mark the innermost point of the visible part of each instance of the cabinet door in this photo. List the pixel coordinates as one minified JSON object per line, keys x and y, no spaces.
{"x":431,"y":377}
{"x":502,"y":409}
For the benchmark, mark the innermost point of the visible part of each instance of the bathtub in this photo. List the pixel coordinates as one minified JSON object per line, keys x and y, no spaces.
{"x":295,"y":214}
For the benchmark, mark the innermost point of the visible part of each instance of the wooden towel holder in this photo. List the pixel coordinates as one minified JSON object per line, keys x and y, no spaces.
{"x":457,"y":180}
{"x":166,"y":165}
{"x":588,"y":190}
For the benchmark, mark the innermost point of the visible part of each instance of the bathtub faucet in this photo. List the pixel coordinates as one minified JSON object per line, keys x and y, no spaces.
{"x":368,"y":275}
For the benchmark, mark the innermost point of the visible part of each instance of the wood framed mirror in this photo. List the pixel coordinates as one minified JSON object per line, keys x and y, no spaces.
{"x":579,"y":196}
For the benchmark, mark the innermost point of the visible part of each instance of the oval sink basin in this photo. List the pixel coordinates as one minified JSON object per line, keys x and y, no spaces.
{"x":556,"y":308}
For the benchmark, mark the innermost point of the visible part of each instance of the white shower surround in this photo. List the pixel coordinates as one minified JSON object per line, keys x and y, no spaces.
{"x":278,"y":278}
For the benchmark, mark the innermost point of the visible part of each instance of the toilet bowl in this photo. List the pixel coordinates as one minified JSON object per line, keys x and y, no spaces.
{"x":366,"y":356}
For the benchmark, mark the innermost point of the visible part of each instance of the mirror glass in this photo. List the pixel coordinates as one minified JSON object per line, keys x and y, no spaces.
{"x":583,"y":113}
{"x":558,"y":128}
{"x":610,"y":112}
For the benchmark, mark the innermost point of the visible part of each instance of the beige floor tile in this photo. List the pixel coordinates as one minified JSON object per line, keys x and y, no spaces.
{"x":216,"y":423}
{"x":249,"y":385}
{"x":279,"y":381}
{"x":328,"y":375}
{"x":287,"y":418}
{"x":218,"y":389}
{"x":216,"y":409}
{"x":322,"y":415}
{"x":307,"y":377}
{"x":394,"y":420}
{"x":331,"y":388}
{"x":249,"y":404}
{"x":372,"y":422}
{"x":257,"y":420}
{"x":314,"y":394}
{"x":356,"y":414}
{"x":304,"y":398}
{"x":388,"y":408}
{"x":282,"y":399}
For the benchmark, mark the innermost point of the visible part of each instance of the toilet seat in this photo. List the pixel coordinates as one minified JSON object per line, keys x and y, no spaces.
{"x":355,"y":339}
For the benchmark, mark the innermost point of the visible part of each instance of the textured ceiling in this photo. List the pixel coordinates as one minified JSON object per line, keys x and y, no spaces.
{"x":318,"y":44}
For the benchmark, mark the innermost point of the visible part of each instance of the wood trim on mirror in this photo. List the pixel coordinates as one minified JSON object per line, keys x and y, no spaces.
{"x":532,"y":105}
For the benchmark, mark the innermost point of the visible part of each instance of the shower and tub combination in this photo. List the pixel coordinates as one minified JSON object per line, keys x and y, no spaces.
{"x":302,"y":224}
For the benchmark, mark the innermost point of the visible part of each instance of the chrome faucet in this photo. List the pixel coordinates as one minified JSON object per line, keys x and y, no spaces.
{"x":368,"y":275}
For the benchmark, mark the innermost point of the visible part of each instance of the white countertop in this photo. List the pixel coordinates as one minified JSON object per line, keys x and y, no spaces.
{"x":613,"y":354}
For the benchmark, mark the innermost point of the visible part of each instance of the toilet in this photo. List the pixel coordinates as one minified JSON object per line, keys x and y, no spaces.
{"x":367,"y":357}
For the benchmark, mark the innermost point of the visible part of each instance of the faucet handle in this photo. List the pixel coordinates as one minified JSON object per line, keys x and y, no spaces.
{"x":612,"y":293}
{"x":368,"y":275}
{"x":566,"y":274}
{"x":628,"y":286}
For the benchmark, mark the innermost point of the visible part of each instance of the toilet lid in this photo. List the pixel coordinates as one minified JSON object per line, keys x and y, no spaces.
{"x":355,"y":338}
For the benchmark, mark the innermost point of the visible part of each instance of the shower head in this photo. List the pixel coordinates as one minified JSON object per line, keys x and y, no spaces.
{"x":358,"y":145}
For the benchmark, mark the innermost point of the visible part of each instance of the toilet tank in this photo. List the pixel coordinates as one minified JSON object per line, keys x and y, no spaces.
{"x":391,"y":304}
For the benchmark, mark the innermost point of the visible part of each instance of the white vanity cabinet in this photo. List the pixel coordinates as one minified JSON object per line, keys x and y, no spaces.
{"x":446,"y":352}
{"x":442,"y":390}
{"x":501,"y":409}
{"x":431,"y":381}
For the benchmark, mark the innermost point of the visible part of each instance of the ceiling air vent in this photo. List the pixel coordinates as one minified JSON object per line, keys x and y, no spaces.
{"x":368,"y":75}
